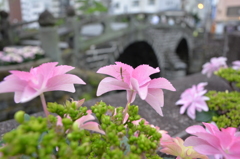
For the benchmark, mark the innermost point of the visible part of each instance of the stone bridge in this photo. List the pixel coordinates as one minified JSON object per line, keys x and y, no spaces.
{"x":134,"y":39}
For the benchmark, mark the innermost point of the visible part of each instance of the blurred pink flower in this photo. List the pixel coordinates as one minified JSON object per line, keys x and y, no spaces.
{"x":6,"y":58}
{"x":236,"y":65}
{"x":85,"y":123}
{"x":9,"y":49}
{"x":193,"y":100}
{"x":212,"y":141}
{"x":44,"y":78}
{"x":1,"y":54}
{"x":176,"y":147}
{"x":214,"y":65}
{"x":135,"y":81}
{"x":16,"y":58}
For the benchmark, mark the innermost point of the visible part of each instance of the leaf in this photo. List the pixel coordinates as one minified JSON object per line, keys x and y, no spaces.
{"x":1,"y":142}
{"x":41,"y":137}
{"x":26,"y":117}
{"x":205,"y":116}
{"x":24,"y":157}
{"x":124,"y":143}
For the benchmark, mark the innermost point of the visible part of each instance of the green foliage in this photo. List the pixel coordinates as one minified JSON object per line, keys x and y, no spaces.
{"x":93,"y":80}
{"x":205,"y":116}
{"x":227,"y":105}
{"x":59,"y":22}
{"x":42,"y":138}
{"x":91,"y":6}
{"x":229,"y":74}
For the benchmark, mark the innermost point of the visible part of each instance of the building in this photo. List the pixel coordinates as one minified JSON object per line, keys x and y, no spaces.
{"x":4,"y":5}
{"x":228,"y":10}
{"x":146,"y":6}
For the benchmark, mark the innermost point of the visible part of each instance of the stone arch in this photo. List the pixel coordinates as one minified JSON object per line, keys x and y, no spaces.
{"x":137,"y":53}
{"x":183,"y":51}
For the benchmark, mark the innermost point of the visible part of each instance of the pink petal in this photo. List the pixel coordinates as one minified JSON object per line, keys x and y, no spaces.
{"x":12,"y":86}
{"x":142,"y":73}
{"x":171,"y":148}
{"x":191,"y":111}
{"x":93,"y":126}
{"x":229,"y":130}
{"x":201,"y":146}
{"x":161,"y":83}
{"x":110,"y":84}
{"x":120,"y":71}
{"x":28,"y":94}
{"x":84,"y":119}
{"x":59,"y":80}
{"x":59,"y":121}
{"x":211,"y":139}
{"x":195,"y":129}
{"x":201,"y":86}
{"x":20,"y":75}
{"x":63,"y":87}
{"x":141,"y":91}
{"x":212,"y":128}
{"x":45,"y":69}
{"x":182,"y":101}
{"x":17,"y":97}
{"x":234,"y":149}
{"x":62,"y":69}
{"x":155,"y":99}
{"x":183,"y":108}
{"x":131,"y":96}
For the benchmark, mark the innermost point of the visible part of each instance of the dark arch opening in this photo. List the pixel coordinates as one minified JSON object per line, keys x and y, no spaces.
{"x":182,"y":51}
{"x":139,"y":53}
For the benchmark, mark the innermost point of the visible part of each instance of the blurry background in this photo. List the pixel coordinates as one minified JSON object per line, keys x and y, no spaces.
{"x":176,"y":35}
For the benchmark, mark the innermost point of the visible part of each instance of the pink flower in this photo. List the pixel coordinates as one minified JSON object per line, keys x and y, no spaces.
{"x":214,"y":65}
{"x":213,"y":141}
{"x":135,"y":81}
{"x":176,"y":148}
{"x":1,"y":54}
{"x":85,"y":123}
{"x":236,"y":65}
{"x":44,"y":78}
{"x":193,"y":100}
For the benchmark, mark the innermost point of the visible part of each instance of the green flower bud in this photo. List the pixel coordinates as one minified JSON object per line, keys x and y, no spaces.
{"x":67,"y":122}
{"x":19,"y":116}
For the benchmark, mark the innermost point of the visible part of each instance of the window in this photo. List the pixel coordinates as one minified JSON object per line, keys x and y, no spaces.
{"x":233,"y":11}
{"x":151,"y":2}
{"x":135,"y":3}
{"x":116,"y":5}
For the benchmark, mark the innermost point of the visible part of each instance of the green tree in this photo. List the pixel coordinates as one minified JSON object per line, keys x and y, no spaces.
{"x":91,"y":6}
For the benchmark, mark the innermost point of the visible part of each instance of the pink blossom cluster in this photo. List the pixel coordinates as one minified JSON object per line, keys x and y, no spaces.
{"x":214,"y":65}
{"x":18,"y":55}
{"x":236,"y":65}
{"x":192,"y":100}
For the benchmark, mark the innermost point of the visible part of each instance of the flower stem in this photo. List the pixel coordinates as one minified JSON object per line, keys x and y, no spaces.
{"x":44,"y":104}
{"x":128,"y":103}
